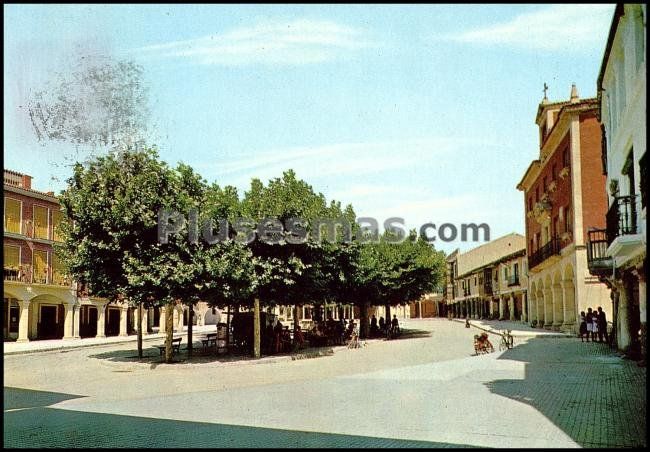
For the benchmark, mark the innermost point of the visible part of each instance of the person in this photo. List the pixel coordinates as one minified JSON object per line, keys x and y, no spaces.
{"x":373,"y":326}
{"x":589,"y":318}
{"x":583,"y":327}
{"x":602,"y":325}
{"x":269,"y":338}
{"x":594,"y":327}
{"x":395,"y":325}
{"x":278,"y":336}
{"x":298,"y":337}
{"x":382,"y":324}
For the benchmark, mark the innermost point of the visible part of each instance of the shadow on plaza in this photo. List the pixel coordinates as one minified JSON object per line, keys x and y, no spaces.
{"x":587,"y":390}
{"x":16,"y":398}
{"x":51,"y":427}
{"x":151,"y":354}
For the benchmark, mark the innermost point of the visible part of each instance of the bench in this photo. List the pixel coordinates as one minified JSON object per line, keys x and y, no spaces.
{"x":176,"y":346}
{"x":209,"y":341}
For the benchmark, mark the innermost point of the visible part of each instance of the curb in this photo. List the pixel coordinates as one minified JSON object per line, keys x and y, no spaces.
{"x":517,"y":334}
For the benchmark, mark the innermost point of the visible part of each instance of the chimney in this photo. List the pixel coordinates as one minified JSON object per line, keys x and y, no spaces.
{"x":574,"y":94}
{"x":27,"y":182}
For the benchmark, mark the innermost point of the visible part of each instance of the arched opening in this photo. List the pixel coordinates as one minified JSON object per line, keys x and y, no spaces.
{"x":47,"y":317}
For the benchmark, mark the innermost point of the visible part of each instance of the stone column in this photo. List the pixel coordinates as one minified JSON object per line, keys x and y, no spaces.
{"x":101,"y":316}
{"x":524,"y":306}
{"x":558,"y":306}
{"x":569,"y":307}
{"x":161,"y":323}
{"x":68,"y":322}
{"x":77,"y":321}
{"x":145,"y":320}
{"x":511,"y":306}
{"x":150,"y":316}
{"x":179,"y":325}
{"x":501,"y":305}
{"x":124,"y":312}
{"x":548,"y":308}
{"x":23,"y":321}
{"x":539,"y":307}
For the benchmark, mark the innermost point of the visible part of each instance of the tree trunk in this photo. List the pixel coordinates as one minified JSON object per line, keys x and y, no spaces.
{"x":228,"y":327}
{"x":387,"y":308}
{"x":140,"y":330}
{"x":169,"y":330}
{"x":256,"y":329}
{"x":363,"y":327}
{"x":296,"y":323}
{"x":190,"y":315}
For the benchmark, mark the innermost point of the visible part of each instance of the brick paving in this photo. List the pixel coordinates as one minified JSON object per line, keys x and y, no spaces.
{"x":425,"y":391}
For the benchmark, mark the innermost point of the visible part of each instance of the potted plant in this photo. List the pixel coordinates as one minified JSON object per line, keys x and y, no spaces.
{"x":564,"y":172}
{"x":613,"y":187}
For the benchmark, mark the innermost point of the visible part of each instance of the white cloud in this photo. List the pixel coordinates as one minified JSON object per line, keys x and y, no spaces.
{"x":557,"y":27}
{"x":295,"y":42}
{"x":332,"y":160}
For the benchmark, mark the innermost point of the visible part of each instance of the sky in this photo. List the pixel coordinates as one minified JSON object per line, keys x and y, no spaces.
{"x":424,"y":112}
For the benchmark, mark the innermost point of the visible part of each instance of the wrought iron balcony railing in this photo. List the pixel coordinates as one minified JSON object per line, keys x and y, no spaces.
{"x":550,"y":249}
{"x":597,"y":260}
{"x":26,"y":274}
{"x":621,"y":217}
{"x":513,"y":280}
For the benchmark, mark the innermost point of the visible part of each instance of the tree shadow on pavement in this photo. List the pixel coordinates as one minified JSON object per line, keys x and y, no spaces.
{"x":15,"y":398}
{"x":586,"y":389}
{"x":151,"y":355}
{"x":51,"y":427}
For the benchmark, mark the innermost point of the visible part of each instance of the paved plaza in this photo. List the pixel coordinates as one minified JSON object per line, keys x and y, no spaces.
{"x":426,"y":389}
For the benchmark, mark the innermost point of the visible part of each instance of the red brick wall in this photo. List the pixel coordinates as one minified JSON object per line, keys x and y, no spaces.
{"x":561,"y":197}
{"x":594,"y":196}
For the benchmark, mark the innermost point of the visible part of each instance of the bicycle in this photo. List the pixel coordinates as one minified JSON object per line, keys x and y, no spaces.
{"x":507,"y":341}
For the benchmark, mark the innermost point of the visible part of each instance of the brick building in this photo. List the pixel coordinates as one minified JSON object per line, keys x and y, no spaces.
{"x":563,"y":196}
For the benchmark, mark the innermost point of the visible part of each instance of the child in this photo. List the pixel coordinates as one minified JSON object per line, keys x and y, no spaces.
{"x":583,"y":327}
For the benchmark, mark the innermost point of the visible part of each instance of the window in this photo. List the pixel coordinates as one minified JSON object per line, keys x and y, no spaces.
{"x":58,"y":276}
{"x":565,"y":157}
{"x":536,"y":194}
{"x":41,"y":222}
{"x":638,"y":39}
{"x":57,"y":216}
{"x":567,"y":219}
{"x":11,"y":256}
{"x":13,"y":215}
{"x":643,"y":169}
{"x":516,"y":271}
{"x":39,"y":263}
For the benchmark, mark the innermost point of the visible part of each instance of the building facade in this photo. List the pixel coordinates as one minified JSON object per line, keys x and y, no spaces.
{"x":488,"y":282}
{"x":40,"y":300}
{"x":563,"y":196}
{"x":617,"y":243}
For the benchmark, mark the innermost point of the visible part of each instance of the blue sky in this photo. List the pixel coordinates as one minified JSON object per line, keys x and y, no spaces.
{"x":424,"y":112}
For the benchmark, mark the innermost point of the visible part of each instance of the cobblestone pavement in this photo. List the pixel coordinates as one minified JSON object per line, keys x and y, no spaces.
{"x":423,"y":390}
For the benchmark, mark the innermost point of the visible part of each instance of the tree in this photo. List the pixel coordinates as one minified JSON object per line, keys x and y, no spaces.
{"x":110,"y":242}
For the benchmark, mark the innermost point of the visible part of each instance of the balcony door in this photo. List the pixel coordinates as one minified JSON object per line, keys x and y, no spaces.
{"x":628,"y":171}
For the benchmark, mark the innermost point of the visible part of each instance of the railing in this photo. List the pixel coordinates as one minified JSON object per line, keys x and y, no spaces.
{"x":546,"y":251}
{"x":621,"y":217}
{"x":513,"y":280}
{"x":25,"y":274}
{"x":597,"y":244}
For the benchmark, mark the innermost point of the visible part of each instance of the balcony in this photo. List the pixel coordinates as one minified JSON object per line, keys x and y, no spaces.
{"x":552,"y":248}
{"x":598,"y":262}
{"x":623,"y":239}
{"x":26,"y":275}
{"x":513,"y":280}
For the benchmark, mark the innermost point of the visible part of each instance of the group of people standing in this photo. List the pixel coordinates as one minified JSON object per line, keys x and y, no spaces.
{"x":593,"y":324}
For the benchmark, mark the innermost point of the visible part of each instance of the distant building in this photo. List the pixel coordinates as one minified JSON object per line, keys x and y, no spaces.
{"x":563,"y":195}
{"x":618,"y":240}
{"x":488,"y":282}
